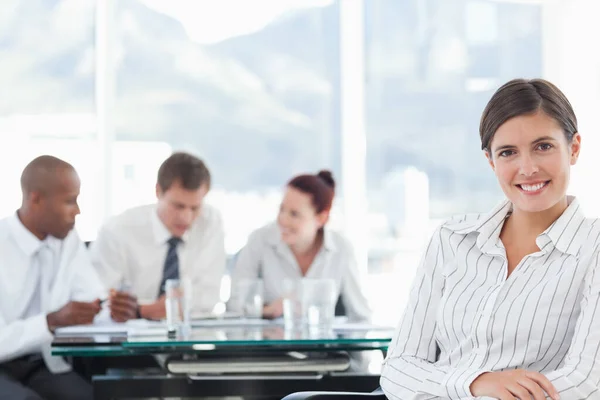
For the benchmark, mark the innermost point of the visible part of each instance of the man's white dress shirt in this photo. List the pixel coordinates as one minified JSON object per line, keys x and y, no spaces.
{"x":38,"y":277}
{"x":131,"y":249}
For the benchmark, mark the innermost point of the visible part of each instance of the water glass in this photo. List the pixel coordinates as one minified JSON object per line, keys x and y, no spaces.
{"x":178,"y":293}
{"x":251,"y":293}
{"x":318,"y":302}
{"x":292,"y":304}
{"x":309,"y":303}
{"x":124,"y":286}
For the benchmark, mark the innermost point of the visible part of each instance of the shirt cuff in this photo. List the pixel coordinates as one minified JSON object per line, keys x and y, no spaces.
{"x":40,"y":324}
{"x":458,"y":382}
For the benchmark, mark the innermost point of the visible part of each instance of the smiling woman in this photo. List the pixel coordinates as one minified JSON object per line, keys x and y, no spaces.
{"x":531,"y":157}
{"x":300,"y":245}
{"x":531,"y":144}
{"x":505,"y":304}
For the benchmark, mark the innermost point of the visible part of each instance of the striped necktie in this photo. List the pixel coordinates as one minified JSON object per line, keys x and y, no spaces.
{"x":171,"y":267}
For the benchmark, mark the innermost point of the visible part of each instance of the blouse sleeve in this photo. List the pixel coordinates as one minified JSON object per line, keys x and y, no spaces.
{"x":579,"y":378}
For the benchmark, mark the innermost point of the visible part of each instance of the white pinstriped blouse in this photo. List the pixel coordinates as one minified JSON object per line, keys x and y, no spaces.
{"x":465,"y":317}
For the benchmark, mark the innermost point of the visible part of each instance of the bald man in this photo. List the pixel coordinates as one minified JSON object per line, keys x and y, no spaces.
{"x":46,"y":281}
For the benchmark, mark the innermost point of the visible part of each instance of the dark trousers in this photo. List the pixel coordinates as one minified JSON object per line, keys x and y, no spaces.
{"x":28,"y":378}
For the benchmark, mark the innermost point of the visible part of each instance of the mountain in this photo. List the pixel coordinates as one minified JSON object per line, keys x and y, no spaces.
{"x":46,"y":58}
{"x":265,"y":106}
{"x":218,"y":102}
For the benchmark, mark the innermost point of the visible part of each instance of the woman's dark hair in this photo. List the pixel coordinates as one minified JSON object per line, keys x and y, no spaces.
{"x":188,"y":170}
{"x":321,"y":187}
{"x":526,"y":97}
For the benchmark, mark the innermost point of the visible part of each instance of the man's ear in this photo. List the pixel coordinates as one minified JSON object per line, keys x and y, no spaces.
{"x":490,"y":159}
{"x":35,"y":198}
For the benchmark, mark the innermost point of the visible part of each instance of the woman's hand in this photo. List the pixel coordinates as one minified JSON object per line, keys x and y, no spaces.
{"x":274,"y":309}
{"x":518,"y":383}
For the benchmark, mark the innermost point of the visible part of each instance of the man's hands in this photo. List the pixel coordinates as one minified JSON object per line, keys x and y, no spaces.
{"x":123,"y":306}
{"x":518,"y":383}
{"x":73,"y":313}
{"x":154,"y":311}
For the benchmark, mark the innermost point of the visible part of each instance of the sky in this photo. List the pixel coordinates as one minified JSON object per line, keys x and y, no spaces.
{"x":209,"y":21}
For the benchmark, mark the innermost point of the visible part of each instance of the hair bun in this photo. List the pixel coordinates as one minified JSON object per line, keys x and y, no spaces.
{"x":327,"y":177}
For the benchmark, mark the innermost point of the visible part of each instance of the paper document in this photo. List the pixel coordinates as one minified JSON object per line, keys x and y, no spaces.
{"x":225,"y":315}
{"x":108,"y":328}
{"x":230,"y":322}
{"x":360,"y":326}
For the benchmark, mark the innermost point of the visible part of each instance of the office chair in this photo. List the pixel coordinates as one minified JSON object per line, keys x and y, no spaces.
{"x":340,"y":307}
{"x":377,"y":394}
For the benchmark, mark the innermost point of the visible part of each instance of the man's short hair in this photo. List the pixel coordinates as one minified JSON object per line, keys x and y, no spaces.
{"x":40,"y":175}
{"x":188,"y":170}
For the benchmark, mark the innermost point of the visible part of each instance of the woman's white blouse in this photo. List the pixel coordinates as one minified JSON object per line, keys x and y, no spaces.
{"x":465,"y":317}
{"x":266,"y":256}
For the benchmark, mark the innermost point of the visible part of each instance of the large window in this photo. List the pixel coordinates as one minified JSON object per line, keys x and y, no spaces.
{"x":254,"y":96}
{"x":47,"y":94}
{"x":431,"y":67}
{"x":255,"y":88}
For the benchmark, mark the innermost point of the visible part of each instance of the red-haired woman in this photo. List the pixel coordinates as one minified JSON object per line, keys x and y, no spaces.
{"x":300,"y":245}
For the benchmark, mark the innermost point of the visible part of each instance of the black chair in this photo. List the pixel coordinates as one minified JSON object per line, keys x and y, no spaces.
{"x":377,"y":394}
{"x":230,"y":262}
{"x":340,"y":307}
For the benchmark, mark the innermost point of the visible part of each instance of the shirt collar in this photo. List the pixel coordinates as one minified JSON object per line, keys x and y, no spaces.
{"x":565,"y":232}
{"x":161,"y":233}
{"x":328,"y":240}
{"x":488,"y":226}
{"x":27,"y":241}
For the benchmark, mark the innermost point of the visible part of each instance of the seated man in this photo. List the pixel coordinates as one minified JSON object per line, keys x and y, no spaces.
{"x":46,"y":281}
{"x":179,"y":236}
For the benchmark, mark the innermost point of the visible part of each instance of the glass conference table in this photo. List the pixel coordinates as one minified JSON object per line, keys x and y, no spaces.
{"x":261,"y":359}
